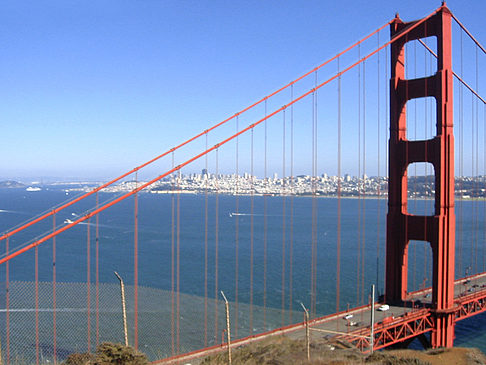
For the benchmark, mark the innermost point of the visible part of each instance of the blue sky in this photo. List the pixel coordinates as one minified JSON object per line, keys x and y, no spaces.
{"x":91,"y":89}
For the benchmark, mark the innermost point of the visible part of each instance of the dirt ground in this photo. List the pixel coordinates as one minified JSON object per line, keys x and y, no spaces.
{"x":282,"y":350}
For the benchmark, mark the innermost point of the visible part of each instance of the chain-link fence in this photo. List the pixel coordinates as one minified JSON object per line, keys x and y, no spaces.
{"x":50,"y":332}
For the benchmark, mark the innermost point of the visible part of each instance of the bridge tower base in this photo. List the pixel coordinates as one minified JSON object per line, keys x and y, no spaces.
{"x":438,"y":230}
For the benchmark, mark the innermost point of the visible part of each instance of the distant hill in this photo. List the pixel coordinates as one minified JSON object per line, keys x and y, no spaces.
{"x":11,"y":184}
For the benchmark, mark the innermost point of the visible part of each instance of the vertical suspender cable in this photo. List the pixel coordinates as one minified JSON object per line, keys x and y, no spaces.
{"x":216,"y":243}
{"x":414,"y":254}
{"x":172,"y":265}
{"x":316,"y":210}
{"x":314,"y":223}
{"x":314,"y":200}
{"x":291,"y":213}
{"x":54,"y":294}
{"x":364,"y":189}
{"x":88,"y":283}
{"x":7,"y":300}
{"x":358,"y":265}
{"x":206,"y":181}
{"x":135,"y":269}
{"x":431,"y":134}
{"x":407,"y":77}
{"x":476,"y":177}
{"x":386,"y":119}
{"x":426,"y":137}
{"x":338,"y":244}
{"x":252,"y":204}
{"x":474,"y":173}
{"x":461,"y":160}
{"x":36,"y":258}
{"x":283,"y":222}
{"x":473,"y":243}
{"x":97,"y":278}
{"x":312,"y":308}
{"x":378,"y":193}
{"x":237,"y":229}
{"x":265,"y":224}
{"x":178,"y":266}
{"x":387,"y":110}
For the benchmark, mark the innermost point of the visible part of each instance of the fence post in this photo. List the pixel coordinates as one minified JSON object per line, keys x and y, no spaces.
{"x":124,"y":308}
{"x":372,"y":327}
{"x":307,"y":334}
{"x":227,"y":326}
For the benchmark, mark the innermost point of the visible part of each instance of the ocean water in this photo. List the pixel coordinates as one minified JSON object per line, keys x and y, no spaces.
{"x":258,"y":250}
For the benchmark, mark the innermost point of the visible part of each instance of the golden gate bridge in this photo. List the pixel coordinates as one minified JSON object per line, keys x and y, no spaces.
{"x":267,"y":260}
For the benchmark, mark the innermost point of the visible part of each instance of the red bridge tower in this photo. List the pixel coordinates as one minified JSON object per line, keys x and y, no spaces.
{"x":438,"y":230}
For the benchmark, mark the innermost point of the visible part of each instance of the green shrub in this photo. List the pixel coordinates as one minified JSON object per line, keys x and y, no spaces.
{"x":108,"y":353}
{"x":115,"y":353}
{"x":79,"y":359}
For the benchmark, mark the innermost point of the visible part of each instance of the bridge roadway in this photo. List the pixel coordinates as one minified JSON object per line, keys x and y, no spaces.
{"x":391,"y":326}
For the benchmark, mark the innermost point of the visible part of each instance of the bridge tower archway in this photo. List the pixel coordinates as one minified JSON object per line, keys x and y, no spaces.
{"x":402,"y":227}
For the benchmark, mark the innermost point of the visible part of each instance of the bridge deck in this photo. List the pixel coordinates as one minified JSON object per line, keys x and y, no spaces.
{"x":391,"y":326}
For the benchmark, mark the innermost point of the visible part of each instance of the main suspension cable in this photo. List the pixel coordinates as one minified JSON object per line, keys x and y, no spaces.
{"x":29,"y":246}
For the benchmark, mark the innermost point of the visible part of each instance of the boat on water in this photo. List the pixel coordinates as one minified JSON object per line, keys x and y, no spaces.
{"x":68,"y":221}
{"x":33,"y":188}
{"x":236,"y":214}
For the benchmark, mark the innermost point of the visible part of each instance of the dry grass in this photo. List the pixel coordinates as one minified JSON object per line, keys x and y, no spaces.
{"x":282,"y":350}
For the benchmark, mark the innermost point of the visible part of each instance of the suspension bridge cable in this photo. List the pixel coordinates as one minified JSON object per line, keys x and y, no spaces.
{"x":473,"y":173}
{"x":97,"y":273}
{"x":338,"y":243}
{"x":461,"y":154}
{"x":414,"y":283}
{"x":473,"y":246}
{"x":358,"y":241}
{"x":316,"y":208}
{"x":284,"y":218}
{"x":291,"y":238}
{"x":54,"y":293}
{"x":314,"y":195}
{"x":378,"y":139}
{"x":7,"y":301}
{"x":265,"y":221}
{"x":426,"y":85}
{"x":88,"y":283}
{"x":135,"y":269}
{"x":313,"y":224}
{"x":36,"y":280}
{"x":458,"y":77}
{"x":136,"y":169}
{"x":363,"y":245}
{"x":252,"y":205}
{"x":178,"y":264}
{"x":406,"y":173}
{"x":476,"y":202}
{"x":172,"y":264}
{"x":483,"y":49}
{"x":216,"y":248}
{"x":386,"y":121}
{"x":206,"y":177}
{"x":196,"y":157}
{"x":237,"y":233}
